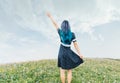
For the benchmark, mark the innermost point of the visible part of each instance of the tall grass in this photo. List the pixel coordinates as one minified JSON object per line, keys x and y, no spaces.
{"x":46,"y":71}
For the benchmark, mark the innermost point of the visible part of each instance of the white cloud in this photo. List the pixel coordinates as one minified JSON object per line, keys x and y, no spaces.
{"x":31,"y":14}
{"x":26,"y":49}
{"x":84,"y":16}
{"x":105,"y":12}
{"x":5,"y":36}
{"x":101,"y":37}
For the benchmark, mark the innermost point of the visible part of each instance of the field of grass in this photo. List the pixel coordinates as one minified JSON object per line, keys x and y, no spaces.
{"x":46,"y":71}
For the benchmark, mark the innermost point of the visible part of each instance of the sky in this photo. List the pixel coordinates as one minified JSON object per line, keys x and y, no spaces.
{"x":26,"y":33}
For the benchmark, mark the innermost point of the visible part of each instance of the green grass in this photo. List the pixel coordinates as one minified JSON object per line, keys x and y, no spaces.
{"x":46,"y":71}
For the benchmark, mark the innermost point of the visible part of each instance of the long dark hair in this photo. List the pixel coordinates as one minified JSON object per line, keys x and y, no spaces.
{"x":67,"y":34}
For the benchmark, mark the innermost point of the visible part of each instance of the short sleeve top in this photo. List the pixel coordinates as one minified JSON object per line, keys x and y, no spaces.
{"x":73,"y":39}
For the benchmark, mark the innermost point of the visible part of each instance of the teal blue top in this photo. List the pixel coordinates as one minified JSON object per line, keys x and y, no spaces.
{"x":66,"y":39}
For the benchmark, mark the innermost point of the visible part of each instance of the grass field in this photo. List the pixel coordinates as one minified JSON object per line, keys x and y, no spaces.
{"x":46,"y":71}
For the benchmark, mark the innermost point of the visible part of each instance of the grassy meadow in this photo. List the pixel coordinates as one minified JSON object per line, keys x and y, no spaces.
{"x":46,"y":71}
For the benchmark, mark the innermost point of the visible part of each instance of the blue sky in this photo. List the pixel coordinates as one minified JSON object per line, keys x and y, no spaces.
{"x":26,"y":33}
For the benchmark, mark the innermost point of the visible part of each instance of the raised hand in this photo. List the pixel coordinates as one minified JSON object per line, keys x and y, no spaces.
{"x":48,"y":14}
{"x":81,"y":56}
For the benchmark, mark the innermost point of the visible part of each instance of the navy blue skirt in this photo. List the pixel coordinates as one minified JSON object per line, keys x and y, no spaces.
{"x":67,"y":59}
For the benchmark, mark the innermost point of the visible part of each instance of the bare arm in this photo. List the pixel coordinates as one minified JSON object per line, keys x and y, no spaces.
{"x":77,"y":49}
{"x":53,"y":21}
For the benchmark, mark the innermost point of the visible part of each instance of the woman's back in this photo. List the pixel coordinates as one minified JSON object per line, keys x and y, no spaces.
{"x":66,"y":38}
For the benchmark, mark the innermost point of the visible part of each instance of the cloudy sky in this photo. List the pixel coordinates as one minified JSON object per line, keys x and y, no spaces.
{"x":26,"y":33}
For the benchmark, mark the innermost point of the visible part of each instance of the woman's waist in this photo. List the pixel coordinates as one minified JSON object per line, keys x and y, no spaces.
{"x":65,"y":45}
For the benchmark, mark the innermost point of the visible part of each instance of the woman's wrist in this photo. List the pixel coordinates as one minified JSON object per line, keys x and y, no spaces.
{"x":81,"y":56}
{"x":49,"y":15}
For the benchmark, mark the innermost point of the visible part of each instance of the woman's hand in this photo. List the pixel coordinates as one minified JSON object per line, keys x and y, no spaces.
{"x":81,"y":56}
{"x":48,"y":14}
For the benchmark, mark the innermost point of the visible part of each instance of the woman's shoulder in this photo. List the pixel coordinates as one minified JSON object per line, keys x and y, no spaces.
{"x":58,"y":30}
{"x":73,"y":33}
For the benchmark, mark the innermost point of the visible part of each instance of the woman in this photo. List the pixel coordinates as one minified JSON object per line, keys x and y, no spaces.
{"x":67,"y":59}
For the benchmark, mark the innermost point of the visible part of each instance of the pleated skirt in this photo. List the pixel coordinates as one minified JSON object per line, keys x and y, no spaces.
{"x":67,"y":59}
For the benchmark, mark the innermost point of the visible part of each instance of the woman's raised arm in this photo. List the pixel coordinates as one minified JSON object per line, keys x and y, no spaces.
{"x":53,"y":21}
